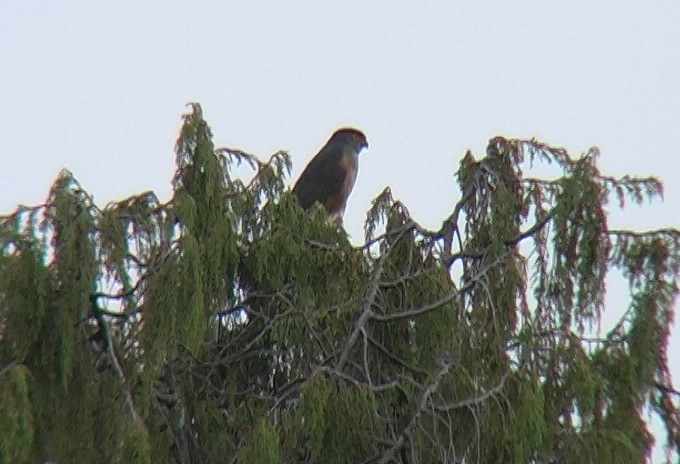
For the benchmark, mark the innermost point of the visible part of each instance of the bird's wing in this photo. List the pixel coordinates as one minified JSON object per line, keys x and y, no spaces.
{"x":323,"y":177}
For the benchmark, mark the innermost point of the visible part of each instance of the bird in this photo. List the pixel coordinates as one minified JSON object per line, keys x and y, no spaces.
{"x":330,"y":176}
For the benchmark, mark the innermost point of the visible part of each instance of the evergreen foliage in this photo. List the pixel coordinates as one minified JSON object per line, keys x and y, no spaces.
{"x":227,"y":325}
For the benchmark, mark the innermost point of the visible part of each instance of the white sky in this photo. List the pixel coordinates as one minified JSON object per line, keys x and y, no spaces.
{"x":100,"y":89}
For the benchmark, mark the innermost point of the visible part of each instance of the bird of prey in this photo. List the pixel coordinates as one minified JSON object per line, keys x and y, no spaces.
{"x":330,"y":175}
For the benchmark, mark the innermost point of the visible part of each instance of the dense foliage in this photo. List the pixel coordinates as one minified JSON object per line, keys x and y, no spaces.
{"x":227,"y":325}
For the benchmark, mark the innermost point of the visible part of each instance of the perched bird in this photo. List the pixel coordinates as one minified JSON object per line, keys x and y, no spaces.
{"x":330,"y":175}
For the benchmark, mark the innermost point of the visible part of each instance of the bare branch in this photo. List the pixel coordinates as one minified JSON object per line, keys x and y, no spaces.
{"x":448,"y":406}
{"x":511,"y":242}
{"x":365,"y":313}
{"x":388,"y":454}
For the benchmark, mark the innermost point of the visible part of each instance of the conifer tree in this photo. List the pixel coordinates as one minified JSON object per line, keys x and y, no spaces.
{"x":227,"y":325}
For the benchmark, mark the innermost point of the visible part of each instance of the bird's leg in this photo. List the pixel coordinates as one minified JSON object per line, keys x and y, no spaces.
{"x":335,"y":218}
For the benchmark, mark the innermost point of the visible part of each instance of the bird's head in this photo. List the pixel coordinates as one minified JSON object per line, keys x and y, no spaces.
{"x":350,"y":136}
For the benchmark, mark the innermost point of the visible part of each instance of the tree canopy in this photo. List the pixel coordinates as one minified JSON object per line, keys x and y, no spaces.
{"x":228,"y":325}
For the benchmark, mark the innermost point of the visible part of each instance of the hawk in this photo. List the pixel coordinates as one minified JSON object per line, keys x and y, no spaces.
{"x":330,"y":175}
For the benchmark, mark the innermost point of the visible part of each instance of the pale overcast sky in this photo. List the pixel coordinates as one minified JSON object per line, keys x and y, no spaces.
{"x":99,"y":87}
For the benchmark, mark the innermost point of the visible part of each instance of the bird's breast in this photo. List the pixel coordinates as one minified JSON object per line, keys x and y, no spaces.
{"x":349,"y":164}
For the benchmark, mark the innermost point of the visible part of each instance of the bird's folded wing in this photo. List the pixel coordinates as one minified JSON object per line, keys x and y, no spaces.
{"x":323,"y":177}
